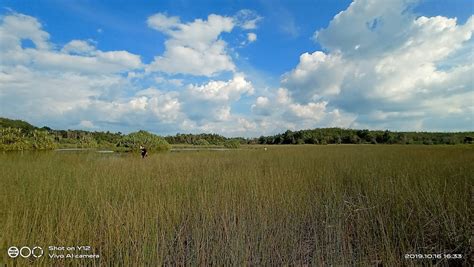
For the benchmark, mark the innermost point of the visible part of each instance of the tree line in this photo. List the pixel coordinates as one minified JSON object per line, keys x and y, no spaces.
{"x":349,"y":136}
{"x":20,"y":135}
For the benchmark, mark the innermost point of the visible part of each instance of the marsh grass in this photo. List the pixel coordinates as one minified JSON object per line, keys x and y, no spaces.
{"x":297,"y":205}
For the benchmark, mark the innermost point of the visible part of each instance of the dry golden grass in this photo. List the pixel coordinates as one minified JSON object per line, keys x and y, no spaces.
{"x":297,"y":205}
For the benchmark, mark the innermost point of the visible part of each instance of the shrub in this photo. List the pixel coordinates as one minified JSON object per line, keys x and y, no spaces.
{"x":201,"y":142}
{"x":13,"y":139}
{"x":427,"y":142}
{"x":87,"y":141}
{"x":151,"y":141}
{"x":232,"y":144}
{"x":17,"y":139}
{"x":42,"y":140}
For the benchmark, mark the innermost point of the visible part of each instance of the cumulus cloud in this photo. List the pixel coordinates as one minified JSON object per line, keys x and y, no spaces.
{"x":16,"y":27}
{"x":385,"y":65}
{"x":100,"y":62}
{"x":52,"y":86}
{"x":79,"y":86}
{"x":212,"y":101}
{"x":76,"y":56}
{"x":79,"y":47}
{"x":238,"y":126}
{"x":48,"y":96}
{"x":163,"y":23}
{"x":262,"y":106}
{"x":278,"y":111}
{"x":322,"y":73}
{"x":193,"y":48}
{"x":382,"y":67}
{"x":196,"y":47}
{"x":222,"y":90}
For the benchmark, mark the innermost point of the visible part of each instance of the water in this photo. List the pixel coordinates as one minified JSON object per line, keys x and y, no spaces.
{"x":83,"y":149}
{"x":184,"y":149}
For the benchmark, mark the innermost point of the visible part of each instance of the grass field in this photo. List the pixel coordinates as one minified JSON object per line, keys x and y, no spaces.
{"x":297,"y":205}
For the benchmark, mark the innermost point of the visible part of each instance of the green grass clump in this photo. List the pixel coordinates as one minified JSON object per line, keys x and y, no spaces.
{"x":288,"y":205}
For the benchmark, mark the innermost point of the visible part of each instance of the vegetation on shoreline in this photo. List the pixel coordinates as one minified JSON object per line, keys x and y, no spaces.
{"x":20,"y":135}
{"x":16,"y":139}
{"x":133,"y":141}
{"x":290,"y":205}
{"x":350,"y":136}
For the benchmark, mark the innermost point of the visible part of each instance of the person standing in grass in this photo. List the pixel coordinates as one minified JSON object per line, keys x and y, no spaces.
{"x":143,"y":152}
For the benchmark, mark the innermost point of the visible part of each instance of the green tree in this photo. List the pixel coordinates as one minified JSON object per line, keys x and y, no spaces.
{"x":153,"y":142}
{"x":388,"y":137}
{"x":355,"y":139}
{"x":201,"y":142}
{"x":232,"y":144}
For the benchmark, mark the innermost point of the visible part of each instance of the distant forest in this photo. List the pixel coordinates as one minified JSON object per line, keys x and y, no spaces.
{"x":20,"y":135}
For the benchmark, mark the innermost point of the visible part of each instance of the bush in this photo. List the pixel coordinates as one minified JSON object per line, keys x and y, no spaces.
{"x":87,"y":141}
{"x":232,"y":144}
{"x":201,"y":142}
{"x":151,"y":141}
{"x":13,"y":139}
{"x":16,"y":139}
{"x":42,"y":140}
{"x":427,"y":142}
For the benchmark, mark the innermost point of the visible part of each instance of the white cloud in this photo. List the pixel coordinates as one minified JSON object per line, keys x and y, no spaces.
{"x":51,"y":86}
{"x":312,"y":111}
{"x":100,"y":63}
{"x":247,"y":19}
{"x":193,"y":48}
{"x":76,"y":56}
{"x":16,"y":27}
{"x":80,"y":86}
{"x":165,"y":106}
{"x":382,"y":59}
{"x":49,"y":96}
{"x":86,"y":124}
{"x":163,"y":23}
{"x":382,"y":67}
{"x":79,"y":47}
{"x":212,"y":101}
{"x":262,"y":106}
{"x":372,"y":26}
{"x":251,"y":37}
{"x":316,"y":74}
{"x":221,"y":90}
{"x":166,"y":81}
{"x":277,"y":111}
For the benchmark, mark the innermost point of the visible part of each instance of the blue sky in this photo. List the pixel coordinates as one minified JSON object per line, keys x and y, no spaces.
{"x":238,"y":67}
